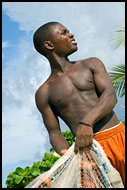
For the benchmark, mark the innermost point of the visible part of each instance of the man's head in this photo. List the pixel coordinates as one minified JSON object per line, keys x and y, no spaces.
{"x":53,"y":36}
{"x":42,"y":34}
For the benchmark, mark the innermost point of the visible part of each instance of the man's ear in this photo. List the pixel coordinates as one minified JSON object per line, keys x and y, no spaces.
{"x":48,"y":45}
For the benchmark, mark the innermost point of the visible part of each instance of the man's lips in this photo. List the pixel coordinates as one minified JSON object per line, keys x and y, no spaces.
{"x":73,"y":42}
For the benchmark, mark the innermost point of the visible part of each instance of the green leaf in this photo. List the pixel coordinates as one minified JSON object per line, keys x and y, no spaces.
{"x":47,"y":156}
{"x":14,"y":175}
{"x":9,"y":178}
{"x":19,"y":171}
{"x":18,"y":179}
{"x":48,"y":163}
{"x":51,"y":149}
{"x":9,"y":183}
{"x":56,"y":154}
{"x":118,"y":78}
{"x":10,"y":174}
{"x":69,"y":137}
{"x":35,"y":171}
{"x":37,"y":164}
{"x":118,"y":37}
{"x":27,"y":169}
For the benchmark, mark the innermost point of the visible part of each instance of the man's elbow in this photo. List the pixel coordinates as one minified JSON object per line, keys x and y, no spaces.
{"x":114,"y":99}
{"x":111,"y":99}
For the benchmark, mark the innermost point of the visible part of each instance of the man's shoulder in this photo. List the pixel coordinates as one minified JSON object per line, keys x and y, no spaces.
{"x":41,"y":96}
{"x":42,"y":91}
{"x":92,"y":62}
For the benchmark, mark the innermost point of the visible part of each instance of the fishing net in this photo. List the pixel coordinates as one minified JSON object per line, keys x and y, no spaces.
{"x":91,"y":169}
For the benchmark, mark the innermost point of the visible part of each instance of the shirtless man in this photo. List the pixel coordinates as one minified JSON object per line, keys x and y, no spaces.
{"x":76,"y":91}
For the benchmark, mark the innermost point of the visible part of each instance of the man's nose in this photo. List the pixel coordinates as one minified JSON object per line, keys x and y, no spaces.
{"x":71,"y":35}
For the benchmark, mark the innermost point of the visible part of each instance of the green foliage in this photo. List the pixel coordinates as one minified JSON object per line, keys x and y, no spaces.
{"x":118,"y":37}
{"x":118,"y":72}
{"x":69,"y":137}
{"x":21,"y":177}
{"x":123,"y":122}
{"x":118,"y":78}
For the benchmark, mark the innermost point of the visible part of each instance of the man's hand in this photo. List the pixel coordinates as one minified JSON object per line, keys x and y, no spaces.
{"x":84,"y":138}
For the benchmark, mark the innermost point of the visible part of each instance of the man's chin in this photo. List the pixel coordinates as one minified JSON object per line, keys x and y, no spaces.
{"x":73,"y":50}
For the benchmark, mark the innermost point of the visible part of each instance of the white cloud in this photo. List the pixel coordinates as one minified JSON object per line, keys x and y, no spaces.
{"x":31,"y":15}
{"x":6,"y":44}
{"x":24,"y":135}
{"x":91,"y":22}
{"x":101,"y":48}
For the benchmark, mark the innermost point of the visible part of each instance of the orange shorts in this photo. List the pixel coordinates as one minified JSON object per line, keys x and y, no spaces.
{"x":113,"y":144}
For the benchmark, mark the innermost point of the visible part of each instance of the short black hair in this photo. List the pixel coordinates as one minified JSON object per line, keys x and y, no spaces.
{"x":42,"y":34}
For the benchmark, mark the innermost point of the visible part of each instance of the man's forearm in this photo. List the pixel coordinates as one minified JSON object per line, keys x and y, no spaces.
{"x":58,"y":142}
{"x":101,"y":110}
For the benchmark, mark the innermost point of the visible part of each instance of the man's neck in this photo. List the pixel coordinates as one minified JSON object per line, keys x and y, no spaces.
{"x":59,"y":64}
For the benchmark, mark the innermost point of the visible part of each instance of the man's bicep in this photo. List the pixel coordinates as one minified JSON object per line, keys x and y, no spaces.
{"x":50,"y":119}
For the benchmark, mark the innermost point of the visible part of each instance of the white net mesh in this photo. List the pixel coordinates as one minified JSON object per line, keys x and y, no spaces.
{"x":91,"y":169}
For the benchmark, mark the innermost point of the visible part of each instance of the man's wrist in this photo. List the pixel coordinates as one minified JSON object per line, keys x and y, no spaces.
{"x":84,"y":123}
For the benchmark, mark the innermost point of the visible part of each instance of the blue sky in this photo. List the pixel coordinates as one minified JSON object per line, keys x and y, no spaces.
{"x":24,"y":137}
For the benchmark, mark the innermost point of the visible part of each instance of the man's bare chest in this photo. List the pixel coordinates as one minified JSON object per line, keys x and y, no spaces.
{"x":67,"y":87}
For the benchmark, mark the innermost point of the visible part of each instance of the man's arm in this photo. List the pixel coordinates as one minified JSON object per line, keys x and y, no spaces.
{"x":105,"y":105}
{"x":50,"y":119}
{"x":104,"y":86}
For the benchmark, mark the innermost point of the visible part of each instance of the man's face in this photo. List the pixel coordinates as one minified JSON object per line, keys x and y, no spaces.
{"x":63,"y":41}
